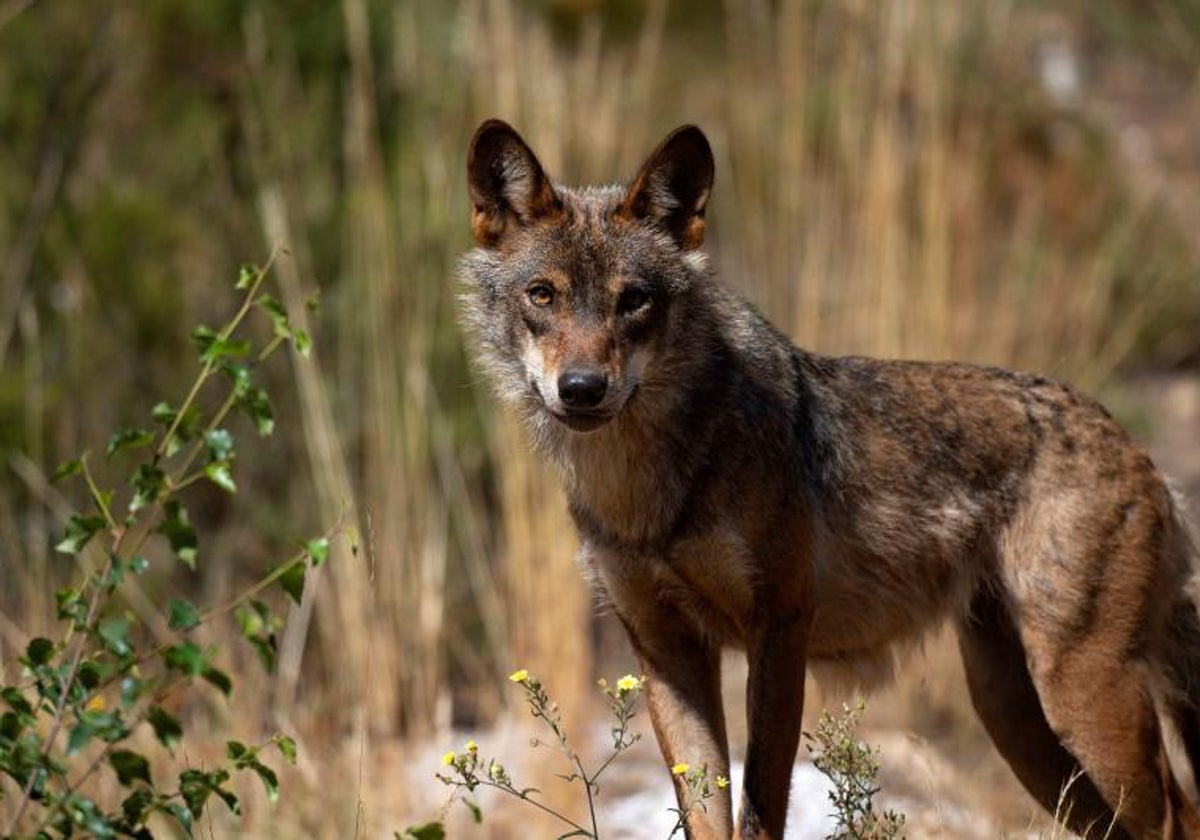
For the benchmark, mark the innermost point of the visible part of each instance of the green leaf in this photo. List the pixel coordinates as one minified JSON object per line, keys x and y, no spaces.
{"x":277,"y":314}
{"x":135,"y":806}
{"x":107,"y":726}
{"x":292,"y":580}
{"x":257,"y":406}
{"x":148,"y":483}
{"x":39,"y":651}
{"x":70,"y":606}
{"x":80,"y":530}
{"x":236,"y":752}
{"x":247,"y":275}
{"x":179,"y":532}
{"x":128,"y":439}
{"x":303,"y":342}
{"x":166,"y":727}
{"x":313,"y":304}
{"x":218,"y":473}
{"x":67,"y":469}
{"x":114,"y":632}
{"x":182,"y":615}
{"x":182,"y":815}
{"x":132,"y":689}
{"x":476,"y":811}
{"x":164,"y":414}
{"x":19,"y":704}
{"x":269,"y":779}
{"x":428,"y":831}
{"x":287,"y":747}
{"x":219,"y":443}
{"x":187,"y":658}
{"x":213,"y":347}
{"x":138,"y":565}
{"x":89,"y":674}
{"x":220,"y":679}
{"x":318,"y":550}
{"x":130,"y":767}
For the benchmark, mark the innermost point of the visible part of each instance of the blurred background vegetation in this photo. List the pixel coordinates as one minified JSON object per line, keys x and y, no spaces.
{"x":1004,"y":181}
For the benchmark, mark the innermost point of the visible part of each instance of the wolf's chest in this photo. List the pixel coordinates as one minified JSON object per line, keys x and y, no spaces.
{"x":707,"y":580}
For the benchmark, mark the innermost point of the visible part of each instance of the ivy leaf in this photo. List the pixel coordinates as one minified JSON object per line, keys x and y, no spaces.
{"x":148,"y":483}
{"x":255,"y":403}
{"x":130,"y":767}
{"x":247,"y":275}
{"x":179,"y":532}
{"x":132,"y":688}
{"x":269,"y":779}
{"x":67,"y":469}
{"x":303,"y":342}
{"x":219,"y":443}
{"x":114,"y":632}
{"x":287,"y":748}
{"x":70,"y":606}
{"x":182,"y":815}
{"x":128,"y":439}
{"x":182,"y":615}
{"x":19,"y":704}
{"x":164,"y":414}
{"x":213,"y":347}
{"x":218,"y":473}
{"x":292,"y":580}
{"x":166,"y":727}
{"x":135,"y":806}
{"x":80,"y":529}
{"x":277,"y":314}
{"x":237,"y":752}
{"x":318,"y":550}
{"x":220,"y":679}
{"x":38,"y":652}
{"x":187,"y":658}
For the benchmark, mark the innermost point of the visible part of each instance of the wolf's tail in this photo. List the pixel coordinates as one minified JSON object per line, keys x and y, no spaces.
{"x":1180,"y":702}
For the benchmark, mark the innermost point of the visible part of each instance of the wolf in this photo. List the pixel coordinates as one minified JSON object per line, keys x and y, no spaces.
{"x":732,"y":489}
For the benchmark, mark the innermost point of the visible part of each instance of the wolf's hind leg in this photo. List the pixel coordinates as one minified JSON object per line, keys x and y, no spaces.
{"x":1100,"y":702}
{"x":1006,"y":701}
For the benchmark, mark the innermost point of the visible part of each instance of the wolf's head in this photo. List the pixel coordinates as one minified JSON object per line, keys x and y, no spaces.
{"x":572,"y":293}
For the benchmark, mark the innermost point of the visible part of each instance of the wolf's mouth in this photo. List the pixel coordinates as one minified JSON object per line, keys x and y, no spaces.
{"x":583,"y":421}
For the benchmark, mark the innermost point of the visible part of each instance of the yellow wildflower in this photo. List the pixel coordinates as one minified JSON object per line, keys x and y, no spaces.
{"x":96,"y":704}
{"x":519,"y":676}
{"x":722,"y":782}
{"x":680,"y":768}
{"x":448,"y":759}
{"x":629,"y":683}
{"x":472,"y":746}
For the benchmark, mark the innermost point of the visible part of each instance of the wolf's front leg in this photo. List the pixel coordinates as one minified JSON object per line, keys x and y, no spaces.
{"x":684,"y":696}
{"x":775,"y":703}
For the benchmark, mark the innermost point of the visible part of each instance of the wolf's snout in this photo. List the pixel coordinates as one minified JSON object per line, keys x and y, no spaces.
{"x":582,"y":389}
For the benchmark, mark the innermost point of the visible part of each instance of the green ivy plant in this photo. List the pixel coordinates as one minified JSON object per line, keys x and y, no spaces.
{"x":81,"y":699}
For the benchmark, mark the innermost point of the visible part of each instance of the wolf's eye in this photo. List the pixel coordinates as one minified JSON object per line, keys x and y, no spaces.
{"x":633,"y":300}
{"x":540,"y":294}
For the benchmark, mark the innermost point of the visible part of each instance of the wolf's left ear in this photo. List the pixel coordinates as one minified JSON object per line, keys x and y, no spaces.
{"x":673,"y":186}
{"x":507,"y":184}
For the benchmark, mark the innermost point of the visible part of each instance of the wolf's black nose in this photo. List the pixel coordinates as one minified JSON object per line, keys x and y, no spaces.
{"x":582,"y":388}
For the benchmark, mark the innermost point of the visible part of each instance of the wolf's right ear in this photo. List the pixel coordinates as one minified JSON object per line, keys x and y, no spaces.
{"x":673,"y":186}
{"x":507,"y":184}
